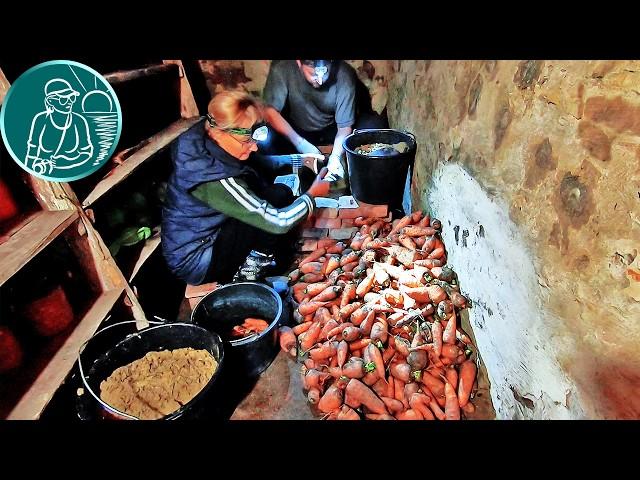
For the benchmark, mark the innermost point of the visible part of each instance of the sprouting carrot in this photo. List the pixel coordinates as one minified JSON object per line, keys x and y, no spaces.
{"x":357,"y":394}
{"x":300,"y":329}
{"x":313,"y":256}
{"x":465,"y":385}
{"x":451,"y":408}
{"x":288,"y":342}
{"x":310,"y":337}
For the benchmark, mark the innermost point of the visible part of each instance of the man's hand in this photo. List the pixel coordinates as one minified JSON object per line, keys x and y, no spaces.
{"x":335,"y":167}
{"x":320,"y":187}
{"x":304,"y":146}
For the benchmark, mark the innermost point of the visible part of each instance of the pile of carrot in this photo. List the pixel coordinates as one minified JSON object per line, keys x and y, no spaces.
{"x":377,"y":325}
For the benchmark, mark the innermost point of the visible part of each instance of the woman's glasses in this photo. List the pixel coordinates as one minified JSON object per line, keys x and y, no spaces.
{"x":252,"y":135}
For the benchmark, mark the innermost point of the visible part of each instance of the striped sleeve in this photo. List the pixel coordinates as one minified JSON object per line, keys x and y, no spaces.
{"x":234,"y":198}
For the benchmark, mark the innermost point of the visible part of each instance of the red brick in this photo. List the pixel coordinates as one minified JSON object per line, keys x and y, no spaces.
{"x":347,"y":222}
{"x":342,"y":233}
{"x":328,"y":223}
{"x":326,"y":213}
{"x":315,"y":233}
{"x":378,"y":211}
{"x":309,"y":245}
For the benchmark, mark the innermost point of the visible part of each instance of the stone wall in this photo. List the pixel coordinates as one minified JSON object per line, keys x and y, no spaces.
{"x":534,"y":169}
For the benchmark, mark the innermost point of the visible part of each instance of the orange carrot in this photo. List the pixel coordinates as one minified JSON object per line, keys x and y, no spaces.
{"x":313,"y":396}
{"x":337,"y":248}
{"x":359,"y":344}
{"x":315,"y":288}
{"x":312,"y":277}
{"x":401,"y":371}
{"x":434,"y":385}
{"x":347,"y":310}
{"x":449,"y":334}
{"x":331,"y":264}
{"x":354,"y":368}
{"x":294,"y":275}
{"x":391,"y":387}
{"x":415,"y":231}
{"x":328,"y":327}
{"x":326,"y":242}
{"x":379,"y":331}
{"x":409,"y":414}
{"x":437,"y":411}
{"x":398,"y":387}
{"x":360,"y":221}
{"x":416,"y":216}
{"x":358,"y":315}
{"x":451,"y":408}
{"x":348,"y":258}
{"x":436,"y":332}
{"x":310,"y":307}
{"x":365,"y":285}
{"x":350,"y":334}
{"x":343,"y":350}
{"x":388,"y":354}
{"x":436,"y":253}
{"x":326,"y":350}
{"x":288,"y":342}
{"x":467,"y":377}
{"x":367,"y":323}
{"x":348,"y":294}
{"x":407,"y":242}
{"x":376,"y":358}
{"x":425,"y":221}
{"x":419,"y":294}
{"x":310,"y":337}
{"x":452,"y":376}
{"x":403,"y":222}
{"x":393,"y":405}
{"x":381,"y":416}
{"x":331,"y":400}
{"x":337,"y":331}
{"x":347,"y":413}
{"x":420,"y":403}
{"x":469,"y":408}
{"x":311,"y":267}
{"x":357,"y":394}
{"x":303,"y":327}
{"x":349,"y":267}
{"x":313,"y":256}
{"x":328,"y":294}
{"x":451,"y":351}
{"x":314,"y":379}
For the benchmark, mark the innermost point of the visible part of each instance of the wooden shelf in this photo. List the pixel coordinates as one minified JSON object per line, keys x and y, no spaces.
{"x":30,"y":238}
{"x":150,"y":245}
{"x":127,"y":75}
{"x":155,"y":144}
{"x":35,"y":400}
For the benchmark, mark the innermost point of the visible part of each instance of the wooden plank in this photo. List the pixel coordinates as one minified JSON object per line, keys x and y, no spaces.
{"x":156,"y":143}
{"x":34,"y":401}
{"x":188,"y":107}
{"x":150,"y":246}
{"x":38,"y":231}
{"x":127,"y":75}
{"x":4,"y":86}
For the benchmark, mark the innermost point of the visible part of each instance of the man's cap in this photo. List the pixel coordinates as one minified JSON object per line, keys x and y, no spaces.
{"x":59,"y":87}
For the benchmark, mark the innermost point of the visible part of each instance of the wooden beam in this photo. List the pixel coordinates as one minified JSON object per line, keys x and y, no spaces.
{"x":122,"y":76}
{"x":30,"y":238}
{"x":156,"y":143}
{"x":150,"y":245}
{"x":34,"y":401}
{"x":4,"y":86}
{"x":188,"y":107}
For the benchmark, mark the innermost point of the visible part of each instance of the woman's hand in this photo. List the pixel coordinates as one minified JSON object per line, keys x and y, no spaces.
{"x":320,"y":187}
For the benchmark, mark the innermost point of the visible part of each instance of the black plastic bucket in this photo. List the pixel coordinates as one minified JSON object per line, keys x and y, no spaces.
{"x":227,"y":306}
{"x":379,"y":178}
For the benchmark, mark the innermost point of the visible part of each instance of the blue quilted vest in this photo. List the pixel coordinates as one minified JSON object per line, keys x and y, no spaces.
{"x":190,"y":226}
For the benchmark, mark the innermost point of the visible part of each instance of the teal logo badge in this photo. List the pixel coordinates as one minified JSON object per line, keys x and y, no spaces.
{"x":61,"y":120}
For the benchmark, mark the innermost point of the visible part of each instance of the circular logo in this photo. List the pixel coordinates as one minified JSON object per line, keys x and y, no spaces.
{"x":61,"y":120}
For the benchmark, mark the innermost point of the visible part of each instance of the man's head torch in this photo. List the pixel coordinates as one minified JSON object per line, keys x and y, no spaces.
{"x":258,"y":132}
{"x":320,"y":67}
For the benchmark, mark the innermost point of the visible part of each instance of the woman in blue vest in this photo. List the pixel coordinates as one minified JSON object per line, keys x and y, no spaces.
{"x":221,"y":220}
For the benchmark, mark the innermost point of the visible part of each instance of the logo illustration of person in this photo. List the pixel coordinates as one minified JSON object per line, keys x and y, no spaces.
{"x":59,"y":138}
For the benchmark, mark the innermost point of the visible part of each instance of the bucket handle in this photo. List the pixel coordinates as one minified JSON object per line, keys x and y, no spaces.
{"x":84,"y":381}
{"x":363,"y":130}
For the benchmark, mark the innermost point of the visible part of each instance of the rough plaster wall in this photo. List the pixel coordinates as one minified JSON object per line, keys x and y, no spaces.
{"x":251,"y":75}
{"x":545,"y":155}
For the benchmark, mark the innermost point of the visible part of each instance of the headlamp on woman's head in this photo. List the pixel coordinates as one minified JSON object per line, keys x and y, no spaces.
{"x":258,"y":133}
